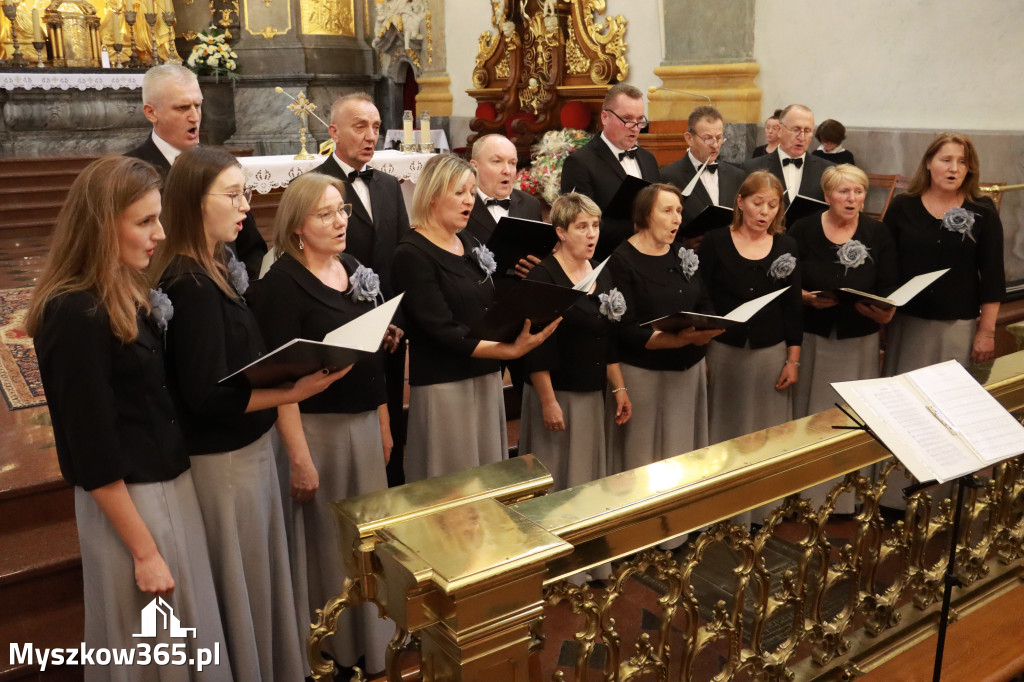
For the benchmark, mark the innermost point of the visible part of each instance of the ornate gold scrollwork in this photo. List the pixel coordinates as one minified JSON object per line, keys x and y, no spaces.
{"x":269,"y":32}
{"x":488,"y":43}
{"x":605,"y":39}
{"x":576,"y":60}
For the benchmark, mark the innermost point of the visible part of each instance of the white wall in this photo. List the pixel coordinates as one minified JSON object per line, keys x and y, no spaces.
{"x":933,"y":64}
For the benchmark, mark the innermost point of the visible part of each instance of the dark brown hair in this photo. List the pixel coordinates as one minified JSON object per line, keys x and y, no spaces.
{"x":645,"y":200}
{"x":922,"y":179}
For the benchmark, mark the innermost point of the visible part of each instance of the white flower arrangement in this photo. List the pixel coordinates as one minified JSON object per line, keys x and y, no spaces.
{"x":543,"y":178}
{"x":212,"y":56}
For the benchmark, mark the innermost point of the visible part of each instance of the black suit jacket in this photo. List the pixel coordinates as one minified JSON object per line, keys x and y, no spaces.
{"x":374,"y":241}
{"x":682,"y":171}
{"x":482,"y":224}
{"x":249,"y":247}
{"x":810,"y":183}
{"x":594,"y":171}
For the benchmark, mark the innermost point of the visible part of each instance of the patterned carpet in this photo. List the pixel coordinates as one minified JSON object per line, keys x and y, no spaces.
{"x":19,"y":369}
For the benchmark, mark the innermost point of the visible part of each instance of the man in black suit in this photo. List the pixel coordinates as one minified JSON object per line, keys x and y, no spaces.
{"x":799,"y":171}
{"x":720,"y":181}
{"x":378,"y":222}
{"x":494,"y":158}
{"x":599,"y":167}
{"x":173,"y":103}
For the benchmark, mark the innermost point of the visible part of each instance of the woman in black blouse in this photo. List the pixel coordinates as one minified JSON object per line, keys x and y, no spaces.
{"x":753,"y":366}
{"x":563,"y":420}
{"x":227,"y":427}
{"x":664,"y":372}
{"x":99,"y":336}
{"x":338,"y":441}
{"x":841,"y":248}
{"x":456,"y":410}
{"x":943,"y":222}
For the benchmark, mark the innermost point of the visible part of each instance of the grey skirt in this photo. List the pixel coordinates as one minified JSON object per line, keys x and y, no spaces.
{"x":742,"y":390}
{"x":575,"y":455}
{"x":670,"y":416}
{"x":914,"y":343}
{"x":348,"y":454}
{"x":241,"y":503}
{"x":455,"y":426}
{"x":824,"y":360}
{"x":113,"y":601}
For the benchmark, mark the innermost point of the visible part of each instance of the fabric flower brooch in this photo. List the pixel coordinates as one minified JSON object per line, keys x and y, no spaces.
{"x":613,"y":305}
{"x":364,"y":285}
{"x":782,"y":267}
{"x":959,"y":220}
{"x":852,"y":254}
{"x":688,"y":261}
{"x":237,"y":274}
{"x":484,"y":258}
{"x":161,"y":308}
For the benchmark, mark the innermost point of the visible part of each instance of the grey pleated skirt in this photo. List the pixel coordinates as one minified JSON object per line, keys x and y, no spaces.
{"x":349,"y":457}
{"x":241,"y":503}
{"x":575,"y":455}
{"x":824,"y":360}
{"x":670,"y":416}
{"x":914,"y":343}
{"x":742,"y":390}
{"x":455,"y":426}
{"x":113,"y":601}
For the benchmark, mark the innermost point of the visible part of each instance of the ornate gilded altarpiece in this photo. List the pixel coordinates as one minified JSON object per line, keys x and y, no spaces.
{"x":541,"y":55}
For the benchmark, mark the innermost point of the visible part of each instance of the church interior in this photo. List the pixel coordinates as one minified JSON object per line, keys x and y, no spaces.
{"x":476,"y":572}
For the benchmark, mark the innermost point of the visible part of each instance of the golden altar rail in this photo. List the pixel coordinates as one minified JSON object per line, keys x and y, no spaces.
{"x":469,"y":565}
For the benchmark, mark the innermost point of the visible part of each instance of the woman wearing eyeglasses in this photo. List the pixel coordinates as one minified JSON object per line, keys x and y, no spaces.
{"x":338,"y":442}
{"x":227,"y":428}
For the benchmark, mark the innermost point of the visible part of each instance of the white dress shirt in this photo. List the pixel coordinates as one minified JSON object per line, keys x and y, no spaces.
{"x":359,"y":185}
{"x":170,"y":152}
{"x":631,"y":166}
{"x":792,"y":174}
{"x":710,"y":180}
{"x":497,"y":212}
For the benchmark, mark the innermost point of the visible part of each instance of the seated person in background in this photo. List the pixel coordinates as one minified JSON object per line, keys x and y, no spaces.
{"x":719,"y":182}
{"x":771,"y":134}
{"x":799,"y":173}
{"x":830,"y":134}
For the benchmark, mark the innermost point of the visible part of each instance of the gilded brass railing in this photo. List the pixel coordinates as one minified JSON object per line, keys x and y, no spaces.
{"x":473,"y":565}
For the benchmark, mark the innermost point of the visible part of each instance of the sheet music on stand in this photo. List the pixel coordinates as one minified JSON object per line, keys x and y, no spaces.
{"x":938,"y":421}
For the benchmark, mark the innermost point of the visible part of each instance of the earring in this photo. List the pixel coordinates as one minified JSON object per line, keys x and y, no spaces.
{"x":301,"y":245}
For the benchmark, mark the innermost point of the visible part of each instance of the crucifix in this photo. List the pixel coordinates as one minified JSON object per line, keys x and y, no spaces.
{"x":302,"y":108}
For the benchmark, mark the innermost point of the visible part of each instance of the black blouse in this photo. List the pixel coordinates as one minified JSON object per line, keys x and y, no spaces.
{"x":445,"y":295}
{"x":578,"y":352}
{"x":655,"y":286}
{"x":976,"y":265}
{"x":113,"y":416}
{"x":291,"y":303}
{"x":820,"y":270}
{"x":733,"y":280}
{"x":210,"y":337}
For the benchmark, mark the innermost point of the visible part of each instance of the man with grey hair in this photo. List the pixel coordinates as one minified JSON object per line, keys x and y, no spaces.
{"x":494,"y":158}
{"x":799,"y":171}
{"x":173,"y":103}
{"x":598,"y":168}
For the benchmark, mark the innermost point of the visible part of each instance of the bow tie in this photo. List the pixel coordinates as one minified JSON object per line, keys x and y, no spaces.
{"x":631,"y":153}
{"x":795,"y":162}
{"x":364,"y":175}
{"x":504,"y":203}
{"x":711,"y":168}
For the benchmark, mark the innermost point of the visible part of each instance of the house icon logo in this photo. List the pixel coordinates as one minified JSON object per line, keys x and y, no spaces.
{"x":158,"y":614}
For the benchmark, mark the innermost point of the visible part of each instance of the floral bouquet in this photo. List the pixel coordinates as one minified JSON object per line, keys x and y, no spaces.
{"x":544,"y":176}
{"x":212,"y":56}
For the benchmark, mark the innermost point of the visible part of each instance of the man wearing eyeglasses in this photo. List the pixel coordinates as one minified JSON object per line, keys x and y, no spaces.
{"x":173,"y":103}
{"x":599,"y":167}
{"x":799,"y":171}
{"x":720,"y":181}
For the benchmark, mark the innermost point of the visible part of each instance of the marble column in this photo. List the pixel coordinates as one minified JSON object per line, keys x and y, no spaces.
{"x":709,"y":54}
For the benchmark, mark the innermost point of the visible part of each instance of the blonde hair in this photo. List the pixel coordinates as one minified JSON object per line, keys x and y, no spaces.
{"x":190,"y":178}
{"x":440,"y":175}
{"x":756,"y":182}
{"x":299,"y":199}
{"x":922,"y":179}
{"x":569,"y":206}
{"x":844,"y":172}
{"x":85,"y":255}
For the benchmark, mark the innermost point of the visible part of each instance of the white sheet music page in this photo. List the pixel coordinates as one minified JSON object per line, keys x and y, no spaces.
{"x":988,"y":428}
{"x":366,"y":331}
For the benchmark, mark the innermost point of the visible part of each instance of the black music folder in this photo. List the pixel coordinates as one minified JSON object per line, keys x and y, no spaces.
{"x":621,"y":204}
{"x":342,"y":347}
{"x":710,"y":218}
{"x":517,"y":238}
{"x":741,"y":314}
{"x":802,"y":206}
{"x":900,"y":297}
{"x":541,"y":302}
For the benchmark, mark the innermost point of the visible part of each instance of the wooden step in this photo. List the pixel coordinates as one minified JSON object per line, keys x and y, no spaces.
{"x":61,"y":177}
{"x":60,"y":625}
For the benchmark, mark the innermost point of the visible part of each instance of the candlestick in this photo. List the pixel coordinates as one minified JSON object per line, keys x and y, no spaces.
{"x":40,"y":46}
{"x":117,"y":55}
{"x":11,"y":12}
{"x":169,"y":21}
{"x":426,"y":145}
{"x":133,"y":59}
{"x":151,"y":20}
{"x":407,"y":136}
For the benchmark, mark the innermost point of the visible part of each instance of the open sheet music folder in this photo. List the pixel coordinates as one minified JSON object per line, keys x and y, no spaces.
{"x":342,"y":347}
{"x":938,"y":421}
{"x":710,"y":218}
{"x":517,"y":238}
{"x":540,"y":302}
{"x":621,"y":204}
{"x":741,"y":314}
{"x":900,"y":297}
{"x":803,"y":206}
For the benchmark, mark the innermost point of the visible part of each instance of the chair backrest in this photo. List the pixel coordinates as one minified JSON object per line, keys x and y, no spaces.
{"x":888,"y":185}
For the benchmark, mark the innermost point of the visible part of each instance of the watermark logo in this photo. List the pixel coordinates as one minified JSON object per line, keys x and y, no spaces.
{"x":156,"y":617}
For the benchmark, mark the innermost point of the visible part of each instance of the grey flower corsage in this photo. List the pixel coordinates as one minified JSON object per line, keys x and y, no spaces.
{"x":613,"y":305}
{"x":688,"y":261}
{"x":237,"y":275}
{"x":782,"y":267}
{"x":960,"y":220}
{"x":161,"y":308}
{"x":364,"y":285}
{"x":484,"y":257}
{"x":852,"y":254}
